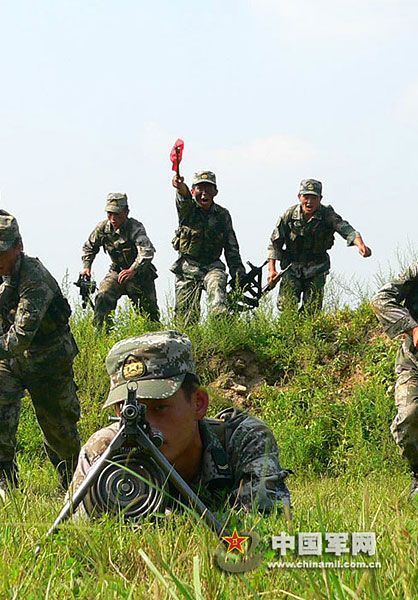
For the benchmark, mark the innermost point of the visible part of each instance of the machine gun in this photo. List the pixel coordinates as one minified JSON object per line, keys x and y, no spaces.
{"x":250,"y":290}
{"x":87,"y":288}
{"x":130,"y":476}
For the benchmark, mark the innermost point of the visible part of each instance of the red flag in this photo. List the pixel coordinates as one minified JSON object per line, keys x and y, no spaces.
{"x":176,"y":155}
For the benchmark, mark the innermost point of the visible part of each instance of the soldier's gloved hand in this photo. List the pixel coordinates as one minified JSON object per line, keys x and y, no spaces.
{"x":86,"y":273}
{"x":126,"y":275}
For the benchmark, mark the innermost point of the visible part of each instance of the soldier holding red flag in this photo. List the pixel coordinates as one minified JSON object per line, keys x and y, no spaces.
{"x":205,"y":231}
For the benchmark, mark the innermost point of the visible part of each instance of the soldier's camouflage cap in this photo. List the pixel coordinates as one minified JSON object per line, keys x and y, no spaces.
{"x":310,"y":186}
{"x":9,"y":230}
{"x":204,"y":177}
{"x":116,"y":203}
{"x":157,"y":362}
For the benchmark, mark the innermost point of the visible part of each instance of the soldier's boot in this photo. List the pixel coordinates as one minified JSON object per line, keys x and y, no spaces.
{"x":8,"y":478}
{"x":65,"y":467}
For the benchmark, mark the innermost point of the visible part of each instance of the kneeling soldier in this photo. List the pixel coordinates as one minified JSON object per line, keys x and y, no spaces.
{"x":36,"y":353}
{"x":131,"y":272}
{"x":233,"y":456}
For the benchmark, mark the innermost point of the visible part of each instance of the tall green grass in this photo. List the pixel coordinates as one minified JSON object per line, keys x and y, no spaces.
{"x":328,"y":397}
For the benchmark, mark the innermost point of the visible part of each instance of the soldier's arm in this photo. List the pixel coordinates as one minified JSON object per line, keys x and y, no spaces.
{"x":184,"y":199}
{"x":92,"y":246}
{"x":275,"y":249}
{"x":143,"y":245}
{"x":34,"y":300}
{"x":388,"y":304}
{"x":231,"y":250}
{"x":259,"y":478}
{"x":346,"y":231}
{"x":341,"y":226}
{"x":89,"y":453}
{"x":181,"y":187}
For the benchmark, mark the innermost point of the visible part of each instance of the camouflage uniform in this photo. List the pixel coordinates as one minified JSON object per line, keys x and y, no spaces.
{"x":200,"y":239}
{"x":304,"y":243}
{"x":396,"y":306}
{"x":128,"y":248}
{"x":240,"y":458}
{"x":36,"y":354}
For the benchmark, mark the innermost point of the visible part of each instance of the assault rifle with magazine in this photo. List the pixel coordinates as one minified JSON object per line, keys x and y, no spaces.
{"x":249,"y":291}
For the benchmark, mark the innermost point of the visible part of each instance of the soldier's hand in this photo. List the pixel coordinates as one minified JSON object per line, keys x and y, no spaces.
{"x":414,"y":333}
{"x":126,"y":275}
{"x":86,"y":273}
{"x":272,"y":276}
{"x":365,"y":251}
{"x":178,"y":183}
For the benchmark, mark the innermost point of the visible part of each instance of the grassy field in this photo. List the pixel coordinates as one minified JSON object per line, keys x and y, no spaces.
{"x":324,"y":384}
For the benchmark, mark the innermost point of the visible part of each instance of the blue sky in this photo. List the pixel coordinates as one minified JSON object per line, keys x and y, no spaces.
{"x":264,"y":92}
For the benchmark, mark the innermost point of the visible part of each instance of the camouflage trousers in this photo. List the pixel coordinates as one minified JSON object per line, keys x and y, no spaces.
{"x":48,"y":377}
{"x":189,"y":286}
{"x":309,"y":290}
{"x":140,"y":290}
{"x":405,"y":425}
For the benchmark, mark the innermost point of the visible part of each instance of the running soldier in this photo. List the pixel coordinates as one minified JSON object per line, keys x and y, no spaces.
{"x":205,"y":231}
{"x":301,"y":238}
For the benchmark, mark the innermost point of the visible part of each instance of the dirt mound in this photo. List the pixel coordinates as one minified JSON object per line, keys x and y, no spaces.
{"x":239,"y":376}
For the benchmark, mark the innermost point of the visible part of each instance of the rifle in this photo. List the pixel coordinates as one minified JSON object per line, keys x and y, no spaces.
{"x":130,"y":475}
{"x":87,"y":287}
{"x":251,"y":288}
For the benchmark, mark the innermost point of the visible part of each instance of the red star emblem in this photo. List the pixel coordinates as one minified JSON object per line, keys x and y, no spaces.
{"x":235,"y":542}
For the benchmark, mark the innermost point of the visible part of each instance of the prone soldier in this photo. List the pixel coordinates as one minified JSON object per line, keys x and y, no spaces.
{"x":131,"y":271}
{"x":233,"y":456}
{"x":205,"y":231}
{"x":396,"y":306}
{"x":36,"y":353}
{"x":301,"y":238}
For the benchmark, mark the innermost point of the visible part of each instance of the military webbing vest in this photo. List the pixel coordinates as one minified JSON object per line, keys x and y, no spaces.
{"x":202,"y":238}
{"x":307,"y":241}
{"x":122,"y":251}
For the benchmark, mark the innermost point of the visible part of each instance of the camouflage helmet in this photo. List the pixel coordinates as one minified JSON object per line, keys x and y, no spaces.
{"x":310,"y":186}
{"x":157,"y":362}
{"x":9,"y":230}
{"x":116,"y":203}
{"x":204,"y":177}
